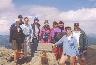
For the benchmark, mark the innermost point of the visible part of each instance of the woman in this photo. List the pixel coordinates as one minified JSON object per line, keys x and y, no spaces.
{"x":45,"y":33}
{"x":55,"y":31}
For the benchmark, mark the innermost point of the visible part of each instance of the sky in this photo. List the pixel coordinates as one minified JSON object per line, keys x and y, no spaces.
{"x":60,"y":4}
{"x":69,"y":11}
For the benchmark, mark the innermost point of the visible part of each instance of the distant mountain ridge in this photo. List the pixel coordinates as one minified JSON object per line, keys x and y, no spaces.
{"x":4,"y":40}
{"x":92,"y":39}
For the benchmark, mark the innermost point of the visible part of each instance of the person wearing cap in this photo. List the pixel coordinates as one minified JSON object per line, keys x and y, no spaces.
{"x":81,"y":37}
{"x":69,"y":47}
{"x":17,"y":37}
{"x":20,"y":17}
{"x":36,"y":28}
{"x":36,"y":31}
{"x":28,"y":32}
{"x":45,"y":33}
{"x":13,"y":25}
{"x":77,"y":32}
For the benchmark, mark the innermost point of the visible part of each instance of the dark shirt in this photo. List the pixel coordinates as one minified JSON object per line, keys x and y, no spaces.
{"x":12,"y":29}
{"x":15,"y":35}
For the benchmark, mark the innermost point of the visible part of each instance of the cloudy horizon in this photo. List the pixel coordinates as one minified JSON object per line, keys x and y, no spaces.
{"x":85,"y":14}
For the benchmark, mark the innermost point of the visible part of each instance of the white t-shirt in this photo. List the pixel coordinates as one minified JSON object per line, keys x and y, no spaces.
{"x":69,"y":37}
{"x":76,"y":34}
{"x":27,"y":29}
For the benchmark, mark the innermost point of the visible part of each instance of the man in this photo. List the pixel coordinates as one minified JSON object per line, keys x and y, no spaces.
{"x":69,"y":47}
{"x":13,"y":25}
{"x":36,"y":31}
{"x":36,"y":28}
{"x":17,"y":37}
{"x":27,"y":30}
{"x":81,"y":41}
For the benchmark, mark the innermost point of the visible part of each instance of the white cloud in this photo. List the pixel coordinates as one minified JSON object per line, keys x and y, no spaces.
{"x":6,"y":4}
{"x":4,"y":26}
{"x":85,"y":16}
{"x":45,"y":12}
{"x":7,"y":13}
{"x":7,"y":8}
{"x":81,"y":14}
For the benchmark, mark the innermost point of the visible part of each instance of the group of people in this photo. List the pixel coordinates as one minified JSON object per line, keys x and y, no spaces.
{"x":22,"y":37}
{"x":66,"y":42}
{"x":74,"y":46}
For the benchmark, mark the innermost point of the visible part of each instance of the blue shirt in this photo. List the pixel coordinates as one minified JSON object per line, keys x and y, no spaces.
{"x":70,"y":47}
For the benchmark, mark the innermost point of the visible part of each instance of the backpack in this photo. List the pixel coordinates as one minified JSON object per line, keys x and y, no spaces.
{"x":11,"y":30}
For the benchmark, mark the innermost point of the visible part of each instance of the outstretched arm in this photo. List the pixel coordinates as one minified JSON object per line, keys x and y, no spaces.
{"x":60,"y":41}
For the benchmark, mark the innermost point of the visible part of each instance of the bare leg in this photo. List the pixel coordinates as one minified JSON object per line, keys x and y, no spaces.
{"x":63,"y":59}
{"x":14,"y":55}
{"x":72,"y":60}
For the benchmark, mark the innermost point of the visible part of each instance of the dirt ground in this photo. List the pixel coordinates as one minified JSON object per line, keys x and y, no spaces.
{"x":91,"y":57}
